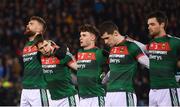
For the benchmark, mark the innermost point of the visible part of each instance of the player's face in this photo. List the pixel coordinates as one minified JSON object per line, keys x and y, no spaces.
{"x":33,"y":27}
{"x":154,"y":27}
{"x":86,"y":38}
{"x":108,"y":39}
{"x":44,"y":47}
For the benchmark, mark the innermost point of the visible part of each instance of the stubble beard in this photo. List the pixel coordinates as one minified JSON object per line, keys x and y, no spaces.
{"x":29,"y":33}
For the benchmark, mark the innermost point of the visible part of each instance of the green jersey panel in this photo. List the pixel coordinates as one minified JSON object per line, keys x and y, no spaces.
{"x":163,"y":55}
{"x":33,"y":75}
{"x":123,"y":66}
{"x":90,"y":67}
{"x":58,"y":76}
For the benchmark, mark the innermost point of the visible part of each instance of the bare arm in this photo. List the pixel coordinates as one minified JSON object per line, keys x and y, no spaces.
{"x":73,"y":65}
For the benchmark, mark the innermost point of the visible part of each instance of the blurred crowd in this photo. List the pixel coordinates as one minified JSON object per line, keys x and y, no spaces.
{"x":63,"y":18}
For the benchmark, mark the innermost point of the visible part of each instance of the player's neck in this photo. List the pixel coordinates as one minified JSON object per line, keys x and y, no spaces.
{"x":89,"y":47}
{"x":120,"y":39}
{"x":31,"y":38}
{"x":161,"y":34}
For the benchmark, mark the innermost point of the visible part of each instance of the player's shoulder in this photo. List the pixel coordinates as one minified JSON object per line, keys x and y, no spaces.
{"x":134,"y":44}
{"x":174,"y":39}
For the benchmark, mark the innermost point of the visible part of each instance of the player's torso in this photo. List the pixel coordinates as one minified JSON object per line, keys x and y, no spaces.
{"x":123,"y":66}
{"x":33,"y":76}
{"x":57,"y":74}
{"x":163,"y":61}
{"x":89,"y":70}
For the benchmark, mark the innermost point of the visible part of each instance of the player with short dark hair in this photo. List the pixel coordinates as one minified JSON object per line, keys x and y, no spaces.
{"x":57,"y":74}
{"x":164,"y":52}
{"x":90,"y":60}
{"x":125,"y":54}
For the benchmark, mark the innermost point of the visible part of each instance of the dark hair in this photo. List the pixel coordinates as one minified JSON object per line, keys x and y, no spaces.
{"x":40,"y":20}
{"x":160,"y":16}
{"x":108,"y":26}
{"x":89,"y":28}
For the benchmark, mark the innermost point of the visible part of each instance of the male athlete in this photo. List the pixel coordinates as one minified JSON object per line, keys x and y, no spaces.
{"x":34,"y":85}
{"x":164,"y":52}
{"x":57,"y":74}
{"x":90,"y":60}
{"x":124,"y":57}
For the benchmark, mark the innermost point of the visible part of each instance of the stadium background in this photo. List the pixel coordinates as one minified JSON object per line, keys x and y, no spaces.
{"x":63,"y":19}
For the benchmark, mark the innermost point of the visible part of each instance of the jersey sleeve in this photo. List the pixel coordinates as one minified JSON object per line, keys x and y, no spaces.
{"x":69,"y":58}
{"x":136,"y":51}
{"x":178,"y":47}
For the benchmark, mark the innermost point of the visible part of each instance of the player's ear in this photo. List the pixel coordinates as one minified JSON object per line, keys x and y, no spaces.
{"x":115,"y":33}
{"x":93,"y":37}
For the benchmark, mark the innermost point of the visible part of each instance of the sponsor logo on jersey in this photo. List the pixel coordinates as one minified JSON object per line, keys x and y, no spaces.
{"x":28,"y":52}
{"x":156,"y":50}
{"x":117,"y":53}
{"x":84,"y":58}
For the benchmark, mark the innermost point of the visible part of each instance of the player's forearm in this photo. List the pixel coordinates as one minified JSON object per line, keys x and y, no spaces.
{"x":60,"y":52}
{"x":144,"y":60}
{"x":106,"y":78}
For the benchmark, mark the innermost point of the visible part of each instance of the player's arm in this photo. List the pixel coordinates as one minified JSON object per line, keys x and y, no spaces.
{"x":106,"y":71}
{"x":60,"y":51}
{"x":72,"y":64}
{"x":106,"y":78}
{"x":140,"y":55}
{"x":143,"y":60}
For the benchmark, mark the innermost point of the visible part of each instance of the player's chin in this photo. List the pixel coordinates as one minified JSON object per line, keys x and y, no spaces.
{"x":29,"y":33}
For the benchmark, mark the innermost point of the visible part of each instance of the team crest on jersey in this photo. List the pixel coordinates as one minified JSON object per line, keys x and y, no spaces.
{"x":86,"y":56}
{"x":119,"y":50}
{"x":29,"y":49}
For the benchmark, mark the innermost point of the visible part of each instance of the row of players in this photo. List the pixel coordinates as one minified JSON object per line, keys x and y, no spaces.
{"x":104,"y":78}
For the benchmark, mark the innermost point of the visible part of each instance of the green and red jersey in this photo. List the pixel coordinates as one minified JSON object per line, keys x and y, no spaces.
{"x":123,"y":66}
{"x":58,"y":76}
{"x":90,"y":67}
{"x":163,"y":54}
{"x":33,"y":76}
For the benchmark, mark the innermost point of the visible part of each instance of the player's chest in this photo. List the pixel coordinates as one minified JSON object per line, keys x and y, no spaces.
{"x":86,"y":60}
{"x":160,"y":50}
{"x":120,"y":54}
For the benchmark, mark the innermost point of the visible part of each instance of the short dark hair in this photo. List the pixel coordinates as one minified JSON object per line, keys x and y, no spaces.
{"x":89,"y":28}
{"x":160,"y":16}
{"x":40,"y":20}
{"x":108,"y":26}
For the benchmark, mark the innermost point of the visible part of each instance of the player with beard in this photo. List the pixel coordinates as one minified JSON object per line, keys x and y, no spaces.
{"x":34,"y":85}
{"x":164,"y":52}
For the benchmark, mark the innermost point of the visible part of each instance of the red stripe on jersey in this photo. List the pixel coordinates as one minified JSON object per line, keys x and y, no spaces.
{"x":86,"y":56}
{"x":119,"y":50}
{"x":161,"y":46}
{"x":49,"y":60}
{"x":30,"y":49}
{"x":137,"y":57}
